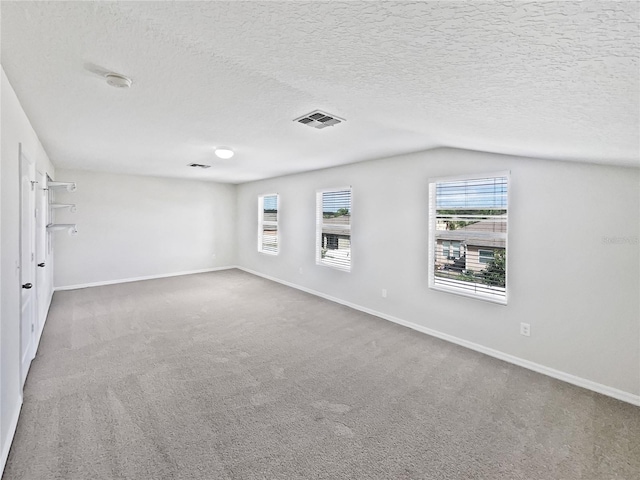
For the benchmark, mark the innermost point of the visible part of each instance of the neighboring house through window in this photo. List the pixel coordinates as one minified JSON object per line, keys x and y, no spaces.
{"x":268,"y":241}
{"x":333,"y":228}
{"x":468,"y":236}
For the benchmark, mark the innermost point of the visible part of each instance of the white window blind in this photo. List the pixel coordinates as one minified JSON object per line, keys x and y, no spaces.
{"x":333,"y":228}
{"x":468,"y":236}
{"x":268,"y":224}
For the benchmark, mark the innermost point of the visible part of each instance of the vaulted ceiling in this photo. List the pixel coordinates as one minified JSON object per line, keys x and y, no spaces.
{"x":557,"y":80}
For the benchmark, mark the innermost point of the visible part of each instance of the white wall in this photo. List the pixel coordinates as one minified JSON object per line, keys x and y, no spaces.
{"x":132,"y":226}
{"x":576,"y":287}
{"x":15,"y":128}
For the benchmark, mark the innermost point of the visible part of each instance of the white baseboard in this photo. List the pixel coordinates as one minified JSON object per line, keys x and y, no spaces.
{"x":6,"y":442}
{"x":137,"y":279}
{"x":536,"y":367}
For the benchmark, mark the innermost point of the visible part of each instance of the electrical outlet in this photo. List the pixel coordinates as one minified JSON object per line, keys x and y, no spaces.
{"x":525,"y":329}
{"x":384,"y":293}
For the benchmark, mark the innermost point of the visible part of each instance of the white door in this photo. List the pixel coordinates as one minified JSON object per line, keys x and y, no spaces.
{"x":43,"y":289}
{"x":27,"y":264}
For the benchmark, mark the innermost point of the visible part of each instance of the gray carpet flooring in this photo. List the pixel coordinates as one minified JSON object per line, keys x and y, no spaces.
{"x":226,"y":375}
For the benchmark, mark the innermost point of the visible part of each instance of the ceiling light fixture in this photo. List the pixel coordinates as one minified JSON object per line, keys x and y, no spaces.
{"x":224,"y":152}
{"x":117,"y":80}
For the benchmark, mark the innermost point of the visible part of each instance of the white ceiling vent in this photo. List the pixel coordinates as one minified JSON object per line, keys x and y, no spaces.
{"x":199,"y":165}
{"x":319,"y":119}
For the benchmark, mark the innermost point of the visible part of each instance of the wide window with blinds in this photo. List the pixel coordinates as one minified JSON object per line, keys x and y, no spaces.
{"x":333,"y":228}
{"x":268,"y":224}
{"x":468,"y":236}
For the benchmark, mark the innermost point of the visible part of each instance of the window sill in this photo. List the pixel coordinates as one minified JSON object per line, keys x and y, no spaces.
{"x":335,"y":267}
{"x":485,"y":297}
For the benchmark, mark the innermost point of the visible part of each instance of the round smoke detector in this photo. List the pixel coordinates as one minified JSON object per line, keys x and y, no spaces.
{"x":117,"y":80}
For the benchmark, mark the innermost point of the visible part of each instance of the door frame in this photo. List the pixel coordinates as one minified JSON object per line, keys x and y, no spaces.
{"x":43,"y":287}
{"x":27,"y":272}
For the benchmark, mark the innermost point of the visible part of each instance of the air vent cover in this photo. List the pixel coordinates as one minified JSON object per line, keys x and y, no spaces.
{"x":319,"y":119}
{"x":199,"y":165}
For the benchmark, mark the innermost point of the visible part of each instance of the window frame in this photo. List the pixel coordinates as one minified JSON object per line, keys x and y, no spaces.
{"x":485,"y":256}
{"x":455,"y":247}
{"x":465,"y":292}
{"x":262,"y":223}
{"x":320,"y":224}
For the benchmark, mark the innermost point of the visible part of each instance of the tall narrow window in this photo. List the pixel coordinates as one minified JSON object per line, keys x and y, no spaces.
{"x":333,"y":228}
{"x":268,"y":224}
{"x":468,"y":236}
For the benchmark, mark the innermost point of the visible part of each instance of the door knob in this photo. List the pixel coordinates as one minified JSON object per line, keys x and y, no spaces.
{"x":27,"y":286}
{"x":41,"y":264}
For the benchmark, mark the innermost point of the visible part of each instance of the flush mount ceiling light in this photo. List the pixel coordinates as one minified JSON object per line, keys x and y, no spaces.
{"x":118,"y":81}
{"x":224,"y":152}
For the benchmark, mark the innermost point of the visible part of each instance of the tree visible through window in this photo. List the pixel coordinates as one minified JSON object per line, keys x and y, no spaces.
{"x":468,"y":236}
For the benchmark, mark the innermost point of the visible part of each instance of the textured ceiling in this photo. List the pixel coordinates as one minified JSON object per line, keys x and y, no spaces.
{"x":546,"y":79}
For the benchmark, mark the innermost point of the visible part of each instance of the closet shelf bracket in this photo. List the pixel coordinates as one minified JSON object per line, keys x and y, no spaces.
{"x":70,"y":227}
{"x":70,"y":186}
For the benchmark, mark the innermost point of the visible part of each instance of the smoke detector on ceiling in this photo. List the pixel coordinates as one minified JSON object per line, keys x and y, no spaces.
{"x":117,"y":80}
{"x":319,"y":119}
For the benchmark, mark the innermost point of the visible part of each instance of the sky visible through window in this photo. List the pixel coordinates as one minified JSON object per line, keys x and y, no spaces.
{"x":483,"y":193}
{"x":270,"y":202}
{"x":337,"y":201}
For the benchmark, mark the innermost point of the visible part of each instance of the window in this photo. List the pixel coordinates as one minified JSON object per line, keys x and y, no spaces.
{"x":485,"y":256}
{"x":468,"y":236}
{"x":450,"y":249}
{"x":268,"y":224}
{"x":333,"y":228}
